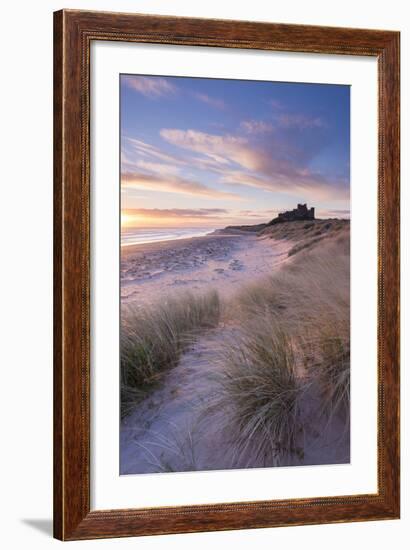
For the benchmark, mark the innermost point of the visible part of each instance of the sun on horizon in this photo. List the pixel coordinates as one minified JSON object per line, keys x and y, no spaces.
{"x":212,"y":152}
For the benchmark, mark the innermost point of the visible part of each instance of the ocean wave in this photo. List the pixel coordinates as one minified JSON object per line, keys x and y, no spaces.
{"x":133,"y":236}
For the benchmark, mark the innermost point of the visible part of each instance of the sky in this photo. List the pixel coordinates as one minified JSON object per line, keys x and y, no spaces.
{"x":212,"y":152}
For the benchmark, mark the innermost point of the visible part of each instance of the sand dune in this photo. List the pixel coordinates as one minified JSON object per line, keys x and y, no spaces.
{"x":214,"y":407}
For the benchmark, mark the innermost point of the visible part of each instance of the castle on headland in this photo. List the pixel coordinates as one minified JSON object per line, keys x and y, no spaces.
{"x":302,"y":212}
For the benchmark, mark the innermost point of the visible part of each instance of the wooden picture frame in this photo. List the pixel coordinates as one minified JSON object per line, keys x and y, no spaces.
{"x":74,"y":32}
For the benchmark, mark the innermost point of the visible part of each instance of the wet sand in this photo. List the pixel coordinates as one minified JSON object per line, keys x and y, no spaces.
{"x":222,"y":262}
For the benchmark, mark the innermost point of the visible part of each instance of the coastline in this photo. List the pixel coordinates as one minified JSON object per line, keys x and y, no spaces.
{"x":222,"y":262}
{"x":277,"y":294}
{"x":166,"y":243}
{"x":136,"y":236}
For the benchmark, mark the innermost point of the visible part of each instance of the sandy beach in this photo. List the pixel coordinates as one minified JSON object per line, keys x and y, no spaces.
{"x":172,"y":420}
{"x":181,"y":427}
{"x":221,"y":262}
{"x":255,"y":285}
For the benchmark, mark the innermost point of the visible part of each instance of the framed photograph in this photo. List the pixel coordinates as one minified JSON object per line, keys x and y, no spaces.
{"x":226,"y":275}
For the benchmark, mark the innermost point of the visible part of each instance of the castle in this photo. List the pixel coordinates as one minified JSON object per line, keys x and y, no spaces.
{"x":302,"y":212}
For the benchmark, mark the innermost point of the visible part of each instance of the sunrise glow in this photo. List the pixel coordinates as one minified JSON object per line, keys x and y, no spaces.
{"x":207,"y":152}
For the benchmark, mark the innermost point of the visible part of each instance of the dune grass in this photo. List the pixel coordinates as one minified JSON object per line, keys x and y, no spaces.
{"x":282,"y":366}
{"x":314,"y":287}
{"x":259,"y":390}
{"x":293,"y":336}
{"x":305,"y":231}
{"x":153,"y":339}
{"x":331,"y":369}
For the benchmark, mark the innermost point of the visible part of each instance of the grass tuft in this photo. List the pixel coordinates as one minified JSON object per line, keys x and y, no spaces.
{"x":259,"y":390}
{"x":294,"y":341}
{"x":333,"y":372}
{"x":153,"y":339}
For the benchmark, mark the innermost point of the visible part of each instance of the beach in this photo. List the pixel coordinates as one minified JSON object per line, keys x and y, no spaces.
{"x":222,"y":262}
{"x":173,"y":413}
{"x":218,"y":329}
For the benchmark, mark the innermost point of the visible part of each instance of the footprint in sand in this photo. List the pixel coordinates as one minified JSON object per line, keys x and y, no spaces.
{"x":179,"y":282}
{"x":236,"y":265}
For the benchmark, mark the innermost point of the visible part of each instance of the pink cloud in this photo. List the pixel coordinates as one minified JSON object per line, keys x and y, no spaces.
{"x":336,"y":213}
{"x":208,"y":213}
{"x":146,"y":150}
{"x":300,"y":121}
{"x":221,"y":149}
{"x":277,"y":105}
{"x":166,"y":170}
{"x":152,"y":87}
{"x":260,"y":160}
{"x":172,"y":184}
{"x":256,"y":126}
{"x":269,"y":166}
{"x":212,"y":101}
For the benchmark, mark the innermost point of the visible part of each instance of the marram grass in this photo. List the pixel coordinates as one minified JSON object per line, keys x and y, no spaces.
{"x":153,"y":339}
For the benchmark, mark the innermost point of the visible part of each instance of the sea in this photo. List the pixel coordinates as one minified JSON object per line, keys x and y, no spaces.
{"x":130,"y":236}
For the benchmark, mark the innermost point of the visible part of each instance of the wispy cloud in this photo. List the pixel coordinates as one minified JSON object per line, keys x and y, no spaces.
{"x":212,"y":217}
{"x":177,"y":212}
{"x":302,"y":122}
{"x":261,"y":215}
{"x":222,"y":149}
{"x":148,"y":167}
{"x":212,"y":101}
{"x":256,"y":126}
{"x":146,"y":150}
{"x":172,"y":184}
{"x":275,"y":104}
{"x":151,"y":87}
{"x":215,"y":142}
{"x":165,"y":170}
{"x":289,"y":181}
{"x":155,"y":87}
{"x":335,"y":213}
{"x":272,"y":165}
